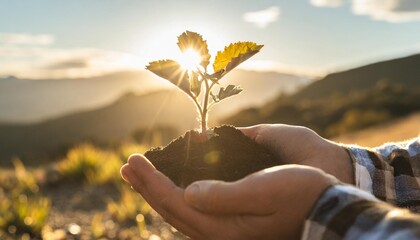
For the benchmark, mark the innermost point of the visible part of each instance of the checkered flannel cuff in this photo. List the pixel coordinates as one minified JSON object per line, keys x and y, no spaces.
{"x":336,"y":211}
{"x":346,"y":212}
{"x":372,"y":173}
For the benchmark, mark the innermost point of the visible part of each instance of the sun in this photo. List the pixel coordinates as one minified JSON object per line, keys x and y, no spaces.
{"x":190,"y":59}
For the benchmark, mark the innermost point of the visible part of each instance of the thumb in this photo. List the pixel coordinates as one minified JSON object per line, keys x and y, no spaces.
{"x":222,"y":198}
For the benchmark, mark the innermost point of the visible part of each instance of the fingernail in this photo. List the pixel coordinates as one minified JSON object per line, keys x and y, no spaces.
{"x":192,"y":192}
{"x":133,"y":161}
{"x":193,"y":189}
{"x":138,"y":160}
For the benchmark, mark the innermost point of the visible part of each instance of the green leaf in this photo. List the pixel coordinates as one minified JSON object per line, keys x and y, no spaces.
{"x":215,"y":99}
{"x":171,"y":71}
{"x":234,"y":54}
{"x":194,"y":41}
{"x":195,"y":83}
{"x":229,"y":91}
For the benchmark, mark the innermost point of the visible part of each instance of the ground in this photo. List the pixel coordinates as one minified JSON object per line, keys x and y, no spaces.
{"x":398,"y":130}
{"x":84,"y":206}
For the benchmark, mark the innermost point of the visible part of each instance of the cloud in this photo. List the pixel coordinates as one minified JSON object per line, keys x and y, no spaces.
{"x":264,"y":17}
{"x":326,"y":3}
{"x":26,"y":39}
{"x":385,"y":10}
{"x":45,"y":62}
{"x":391,"y":11}
{"x":273,"y":66}
{"x":70,"y":63}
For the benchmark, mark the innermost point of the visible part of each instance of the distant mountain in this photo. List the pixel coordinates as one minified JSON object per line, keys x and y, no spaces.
{"x":28,"y":101}
{"x":405,"y":71}
{"x":109,"y":124}
{"x":115,"y":121}
{"x":400,"y":129}
{"x":259,"y":88}
{"x":24,"y":100}
{"x":345,"y":101}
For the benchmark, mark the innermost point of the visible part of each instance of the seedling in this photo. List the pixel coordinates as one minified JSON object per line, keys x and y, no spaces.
{"x":192,"y":76}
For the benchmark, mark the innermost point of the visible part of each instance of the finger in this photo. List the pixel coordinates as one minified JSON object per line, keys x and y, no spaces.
{"x":157,"y":204}
{"x":251,"y":131}
{"x":164,"y":196}
{"x":246,"y":196}
{"x":263,"y":133}
{"x":123,"y":172}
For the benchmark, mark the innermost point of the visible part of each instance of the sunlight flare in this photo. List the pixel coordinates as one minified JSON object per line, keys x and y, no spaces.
{"x":190,"y":60}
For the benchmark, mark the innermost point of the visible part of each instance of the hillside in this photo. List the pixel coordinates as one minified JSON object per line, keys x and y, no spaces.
{"x":398,"y":130}
{"x":259,"y":88}
{"x":109,"y":124}
{"x":344,"y":110}
{"x":29,"y":101}
{"x":346,"y":101}
{"x":161,"y":110}
{"x":404,"y":71}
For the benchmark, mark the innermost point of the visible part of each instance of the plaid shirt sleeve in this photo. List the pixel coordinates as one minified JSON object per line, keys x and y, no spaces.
{"x":384,"y":176}
{"x":390,"y":172}
{"x":346,"y":212}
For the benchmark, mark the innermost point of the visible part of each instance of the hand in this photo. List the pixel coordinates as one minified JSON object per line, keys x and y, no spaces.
{"x":270,"y":204}
{"x":300,"y":145}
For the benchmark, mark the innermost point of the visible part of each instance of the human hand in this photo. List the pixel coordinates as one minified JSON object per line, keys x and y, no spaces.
{"x":300,"y":145}
{"x":270,"y":204}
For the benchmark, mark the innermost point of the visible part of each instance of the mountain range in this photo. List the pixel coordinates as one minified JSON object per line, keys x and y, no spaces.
{"x":340,"y":102}
{"x":115,"y":121}
{"x":403,"y":71}
{"x":29,"y":101}
{"x":345,"y":101}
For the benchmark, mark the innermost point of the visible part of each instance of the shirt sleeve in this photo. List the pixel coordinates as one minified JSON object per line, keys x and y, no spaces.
{"x":346,"y":212}
{"x":390,"y":172}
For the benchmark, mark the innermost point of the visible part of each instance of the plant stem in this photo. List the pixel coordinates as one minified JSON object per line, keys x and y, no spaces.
{"x":197,"y":105}
{"x":204,"y":109}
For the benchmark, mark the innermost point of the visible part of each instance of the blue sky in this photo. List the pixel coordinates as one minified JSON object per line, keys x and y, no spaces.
{"x":57,"y":38}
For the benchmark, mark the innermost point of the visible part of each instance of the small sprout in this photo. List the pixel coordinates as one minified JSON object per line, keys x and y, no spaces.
{"x":229,"y":91}
{"x":191,"y":74}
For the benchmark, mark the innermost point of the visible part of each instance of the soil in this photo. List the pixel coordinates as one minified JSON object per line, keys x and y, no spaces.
{"x":227,"y":155}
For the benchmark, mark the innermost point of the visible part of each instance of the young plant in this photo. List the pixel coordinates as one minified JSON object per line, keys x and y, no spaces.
{"x":192,"y":76}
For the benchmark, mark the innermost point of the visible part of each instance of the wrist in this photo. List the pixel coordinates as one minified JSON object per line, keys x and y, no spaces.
{"x":345,"y":166}
{"x":334,"y":160}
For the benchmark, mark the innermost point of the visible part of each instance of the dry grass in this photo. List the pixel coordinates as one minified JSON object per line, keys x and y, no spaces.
{"x":23,"y":208}
{"x":85,"y":199}
{"x":398,"y":130}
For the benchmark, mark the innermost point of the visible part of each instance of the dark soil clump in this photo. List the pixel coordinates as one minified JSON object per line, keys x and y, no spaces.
{"x":228,"y":155}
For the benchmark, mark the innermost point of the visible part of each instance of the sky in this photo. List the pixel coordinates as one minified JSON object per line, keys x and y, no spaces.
{"x":57,"y":39}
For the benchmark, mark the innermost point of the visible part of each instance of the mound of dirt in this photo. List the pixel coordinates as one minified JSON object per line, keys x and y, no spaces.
{"x":227,"y":155}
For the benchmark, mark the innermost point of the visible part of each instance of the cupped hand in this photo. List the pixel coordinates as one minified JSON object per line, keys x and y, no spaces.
{"x":270,"y":204}
{"x":300,"y":145}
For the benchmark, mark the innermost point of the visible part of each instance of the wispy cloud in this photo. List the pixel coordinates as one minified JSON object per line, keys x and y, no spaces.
{"x":42,"y":61}
{"x":326,"y":3}
{"x":391,"y":10}
{"x":47,"y":62}
{"x":69,"y":63}
{"x":26,"y":39}
{"x":273,"y":66}
{"x":264,"y":17}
